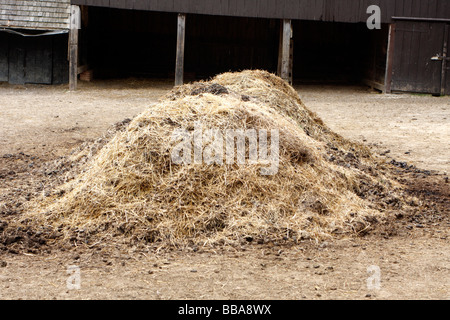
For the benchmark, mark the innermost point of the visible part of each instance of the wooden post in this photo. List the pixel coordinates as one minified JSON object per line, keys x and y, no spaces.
{"x":390,"y":59}
{"x":280,"y":51}
{"x":286,"y":50}
{"x":75,"y":23}
{"x":444,"y":60}
{"x":179,"y":68}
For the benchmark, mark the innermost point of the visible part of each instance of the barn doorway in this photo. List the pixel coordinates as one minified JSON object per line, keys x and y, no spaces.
{"x":130,"y":43}
{"x":332,"y":52}
{"x":127,"y":43}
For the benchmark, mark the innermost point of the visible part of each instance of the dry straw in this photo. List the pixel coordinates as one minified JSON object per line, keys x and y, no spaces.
{"x":132,"y":191}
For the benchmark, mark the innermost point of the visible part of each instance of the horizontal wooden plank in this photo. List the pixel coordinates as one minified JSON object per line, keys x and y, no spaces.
{"x":35,"y":14}
{"x":9,"y":23}
{"x":27,"y":20}
{"x":32,"y":3}
{"x":41,"y":14}
{"x":33,"y":25}
{"x":10,"y":8}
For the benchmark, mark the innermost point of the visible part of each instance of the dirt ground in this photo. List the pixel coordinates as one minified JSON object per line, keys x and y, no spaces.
{"x":40,"y":124}
{"x":407,"y":127}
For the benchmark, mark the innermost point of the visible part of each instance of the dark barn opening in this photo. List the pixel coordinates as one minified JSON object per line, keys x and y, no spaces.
{"x":124,"y":43}
{"x":339,"y":52}
{"x":131,"y":43}
{"x":219,"y":44}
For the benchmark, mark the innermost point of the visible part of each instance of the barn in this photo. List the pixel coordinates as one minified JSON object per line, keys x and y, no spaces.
{"x":317,"y":41}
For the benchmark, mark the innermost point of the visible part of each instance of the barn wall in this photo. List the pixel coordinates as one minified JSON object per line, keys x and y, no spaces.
{"x":32,"y":14}
{"x":316,"y":10}
{"x":40,"y":60}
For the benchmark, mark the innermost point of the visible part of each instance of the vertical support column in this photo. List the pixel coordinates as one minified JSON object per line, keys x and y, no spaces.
{"x":444,"y":60}
{"x":75,"y":24}
{"x":181,"y":34}
{"x":389,"y":59}
{"x":280,"y":50}
{"x":285,"y":65}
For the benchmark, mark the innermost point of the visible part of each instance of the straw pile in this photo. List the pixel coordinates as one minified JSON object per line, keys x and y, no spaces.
{"x":131,"y":190}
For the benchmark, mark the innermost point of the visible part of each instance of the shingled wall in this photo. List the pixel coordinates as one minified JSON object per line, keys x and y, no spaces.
{"x":32,"y":14}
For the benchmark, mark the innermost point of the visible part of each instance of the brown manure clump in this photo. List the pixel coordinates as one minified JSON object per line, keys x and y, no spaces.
{"x":133,"y":191}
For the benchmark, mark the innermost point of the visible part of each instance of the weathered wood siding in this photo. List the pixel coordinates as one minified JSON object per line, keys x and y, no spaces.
{"x":416,"y":42}
{"x":32,"y":14}
{"x":316,"y":10}
{"x":41,"y":60}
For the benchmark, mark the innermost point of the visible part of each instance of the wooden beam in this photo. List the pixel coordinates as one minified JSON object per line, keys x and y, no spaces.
{"x":73,"y":59}
{"x":390,"y":59}
{"x":73,"y":46}
{"x":291,"y":58}
{"x":280,"y":50}
{"x":375,"y":85}
{"x":286,"y":50}
{"x":444,"y":60}
{"x":181,"y":34}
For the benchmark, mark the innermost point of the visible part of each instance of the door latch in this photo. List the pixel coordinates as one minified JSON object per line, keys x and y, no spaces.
{"x":437,"y":57}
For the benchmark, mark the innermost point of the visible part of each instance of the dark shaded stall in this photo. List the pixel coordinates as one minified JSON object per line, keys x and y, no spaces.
{"x":125,"y":43}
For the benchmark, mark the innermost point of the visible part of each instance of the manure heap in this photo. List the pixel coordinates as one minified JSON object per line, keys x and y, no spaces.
{"x":132,"y":190}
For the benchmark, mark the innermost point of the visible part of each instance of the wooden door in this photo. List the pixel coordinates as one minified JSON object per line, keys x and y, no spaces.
{"x":415,"y":67}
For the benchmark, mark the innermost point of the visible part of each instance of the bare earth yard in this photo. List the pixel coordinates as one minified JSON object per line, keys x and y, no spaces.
{"x":47,"y":122}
